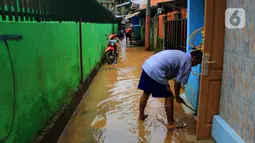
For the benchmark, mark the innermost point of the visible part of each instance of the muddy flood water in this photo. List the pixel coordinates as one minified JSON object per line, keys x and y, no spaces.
{"x":109,"y":111}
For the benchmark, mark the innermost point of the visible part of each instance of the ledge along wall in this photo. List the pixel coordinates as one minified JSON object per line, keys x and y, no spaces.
{"x":47,"y":70}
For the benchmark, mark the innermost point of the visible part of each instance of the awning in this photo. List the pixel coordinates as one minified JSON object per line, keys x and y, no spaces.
{"x":139,"y":1}
{"x":132,"y":15}
{"x":123,"y":4}
{"x":142,"y":12}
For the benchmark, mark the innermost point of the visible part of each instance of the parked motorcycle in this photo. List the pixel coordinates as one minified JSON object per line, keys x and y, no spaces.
{"x":111,"y":54}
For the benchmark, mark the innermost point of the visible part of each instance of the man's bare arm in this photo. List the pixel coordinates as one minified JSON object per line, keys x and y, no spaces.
{"x":177,"y":87}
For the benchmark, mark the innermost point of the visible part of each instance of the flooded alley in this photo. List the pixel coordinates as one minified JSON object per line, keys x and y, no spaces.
{"x":109,"y":111}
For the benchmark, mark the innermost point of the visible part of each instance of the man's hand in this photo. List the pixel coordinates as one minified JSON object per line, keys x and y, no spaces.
{"x":179,"y":99}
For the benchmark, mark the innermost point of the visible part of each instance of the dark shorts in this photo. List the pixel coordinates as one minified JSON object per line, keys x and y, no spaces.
{"x":158,"y":90}
{"x":129,"y":35}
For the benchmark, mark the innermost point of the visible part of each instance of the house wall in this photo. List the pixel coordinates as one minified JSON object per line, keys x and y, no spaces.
{"x":237,"y":104}
{"x":153,"y":2}
{"x":47,"y":70}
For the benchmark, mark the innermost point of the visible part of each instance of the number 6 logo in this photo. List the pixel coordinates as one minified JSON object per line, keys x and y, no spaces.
{"x":235,"y":18}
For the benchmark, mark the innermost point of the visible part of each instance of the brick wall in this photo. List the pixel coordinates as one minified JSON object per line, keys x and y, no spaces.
{"x":237,"y":106}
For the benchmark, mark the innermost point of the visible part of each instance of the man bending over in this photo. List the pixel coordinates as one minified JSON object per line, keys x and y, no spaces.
{"x":158,"y":70}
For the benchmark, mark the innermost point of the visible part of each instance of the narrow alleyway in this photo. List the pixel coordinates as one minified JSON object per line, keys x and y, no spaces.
{"x":109,"y":112}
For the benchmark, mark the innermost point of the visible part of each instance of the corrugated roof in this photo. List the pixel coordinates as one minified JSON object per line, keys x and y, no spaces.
{"x":132,"y":15}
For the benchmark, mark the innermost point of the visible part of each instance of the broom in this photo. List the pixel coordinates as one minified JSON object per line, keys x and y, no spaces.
{"x":184,"y":103}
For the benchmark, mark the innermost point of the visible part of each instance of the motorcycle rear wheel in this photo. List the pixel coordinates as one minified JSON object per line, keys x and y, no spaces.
{"x":111,"y":57}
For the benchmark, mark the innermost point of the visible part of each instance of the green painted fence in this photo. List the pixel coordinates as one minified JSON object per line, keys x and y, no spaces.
{"x":46,"y":64}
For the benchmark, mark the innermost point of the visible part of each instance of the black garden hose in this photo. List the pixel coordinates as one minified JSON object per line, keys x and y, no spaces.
{"x":5,"y":38}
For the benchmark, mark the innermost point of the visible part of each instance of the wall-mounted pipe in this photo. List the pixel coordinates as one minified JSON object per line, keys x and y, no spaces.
{"x":80,"y":47}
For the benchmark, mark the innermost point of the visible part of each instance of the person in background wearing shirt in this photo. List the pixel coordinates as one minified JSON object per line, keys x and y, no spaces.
{"x":158,"y":70}
{"x":128,"y":33}
{"x":121,"y":32}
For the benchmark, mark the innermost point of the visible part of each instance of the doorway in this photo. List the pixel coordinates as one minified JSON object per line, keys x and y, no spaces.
{"x":211,"y":78}
{"x":195,"y":21}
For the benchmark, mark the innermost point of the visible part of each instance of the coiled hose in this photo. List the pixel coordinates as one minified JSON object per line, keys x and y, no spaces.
{"x":191,"y":40}
{"x":191,"y":44}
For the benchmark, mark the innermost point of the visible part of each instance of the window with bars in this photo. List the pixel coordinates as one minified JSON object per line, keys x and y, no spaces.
{"x":175,"y":34}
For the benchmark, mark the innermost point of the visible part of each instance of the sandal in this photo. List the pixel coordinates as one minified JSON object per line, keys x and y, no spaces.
{"x":181,"y":125}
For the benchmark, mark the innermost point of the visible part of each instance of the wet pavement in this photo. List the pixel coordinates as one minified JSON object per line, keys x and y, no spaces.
{"x":109,"y":111}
